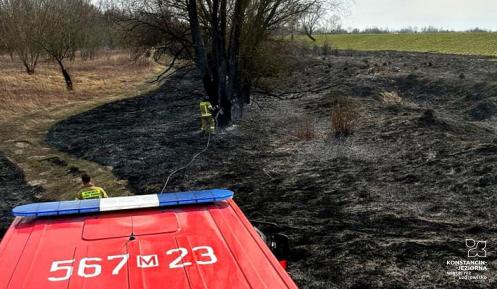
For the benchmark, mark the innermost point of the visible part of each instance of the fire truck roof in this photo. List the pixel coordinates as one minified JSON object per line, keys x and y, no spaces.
{"x":192,"y":240}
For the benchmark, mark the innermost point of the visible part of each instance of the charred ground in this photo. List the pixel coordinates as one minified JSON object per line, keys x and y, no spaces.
{"x":14,"y":191}
{"x":383,"y":208}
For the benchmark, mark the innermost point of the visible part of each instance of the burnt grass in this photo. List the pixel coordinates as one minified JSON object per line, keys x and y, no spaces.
{"x":14,"y":191}
{"x":383,"y":208}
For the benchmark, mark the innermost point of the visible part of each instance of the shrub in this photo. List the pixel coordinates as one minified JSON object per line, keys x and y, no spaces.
{"x":326,"y":49}
{"x":276,"y":58}
{"x":344,"y":116}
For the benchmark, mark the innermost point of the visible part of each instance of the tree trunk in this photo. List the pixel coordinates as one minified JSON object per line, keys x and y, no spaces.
{"x":219,"y":67}
{"x":235,"y":86}
{"x":221,"y":71}
{"x":29,"y":63}
{"x":67,"y":77}
{"x":309,"y":34}
{"x":198,"y":45}
{"x":29,"y":70}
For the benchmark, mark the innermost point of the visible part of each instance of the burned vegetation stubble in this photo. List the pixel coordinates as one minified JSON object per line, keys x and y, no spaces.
{"x":383,"y":208}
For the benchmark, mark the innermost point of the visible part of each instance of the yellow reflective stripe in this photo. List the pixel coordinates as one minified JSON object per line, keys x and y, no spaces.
{"x":91,"y":194}
{"x":204,"y":108}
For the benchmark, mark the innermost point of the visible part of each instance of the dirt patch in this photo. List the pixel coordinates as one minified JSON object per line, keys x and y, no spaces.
{"x":383,"y":208}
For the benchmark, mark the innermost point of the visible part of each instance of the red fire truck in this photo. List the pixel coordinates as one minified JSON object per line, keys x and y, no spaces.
{"x":187,"y":240}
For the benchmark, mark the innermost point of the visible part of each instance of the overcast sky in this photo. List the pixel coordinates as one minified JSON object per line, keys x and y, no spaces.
{"x":448,"y":14}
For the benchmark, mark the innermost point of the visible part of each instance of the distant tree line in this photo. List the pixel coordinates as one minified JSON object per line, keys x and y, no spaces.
{"x":338,"y":29}
{"x":325,"y":18}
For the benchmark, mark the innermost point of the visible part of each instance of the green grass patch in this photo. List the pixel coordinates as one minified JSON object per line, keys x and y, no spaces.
{"x":466,"y":43}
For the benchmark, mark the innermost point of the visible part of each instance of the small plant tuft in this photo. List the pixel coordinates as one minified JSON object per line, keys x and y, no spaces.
{"x":327,"y":48}
{"x":344,"y":116}
{"x":390,"y":97}
{"x":305,"y":128}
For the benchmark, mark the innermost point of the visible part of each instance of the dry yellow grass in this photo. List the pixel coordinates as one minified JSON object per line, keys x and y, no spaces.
{"x":305,"y":128}
{"x":390,"y":97}
{"x":393,"y":98}
{"x":31,"y":104}
{"x":109,"y":73}
{"x":344,"y":116}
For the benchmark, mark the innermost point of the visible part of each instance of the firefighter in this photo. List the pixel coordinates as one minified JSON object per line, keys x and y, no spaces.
{"x":206,"y":110}
{"x":89,"y":191}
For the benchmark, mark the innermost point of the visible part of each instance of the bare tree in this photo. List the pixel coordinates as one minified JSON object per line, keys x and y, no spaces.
{"x":322,"y":16}
{"x":20,"y":27}
{"x":56,"y":28}
{"x":311,"y":20}
{"x":64,"y":30}
{"x":219,"y":36}
{"x":332,"y":24}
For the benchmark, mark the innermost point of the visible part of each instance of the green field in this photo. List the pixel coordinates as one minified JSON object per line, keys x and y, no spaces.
{"x":452,"y":42}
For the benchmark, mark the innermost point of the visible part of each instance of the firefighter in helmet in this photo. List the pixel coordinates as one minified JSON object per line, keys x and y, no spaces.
{"x":206,"y":110}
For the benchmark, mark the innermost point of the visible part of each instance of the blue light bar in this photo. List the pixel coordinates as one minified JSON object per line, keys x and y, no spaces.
{"x":121,"y":203}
